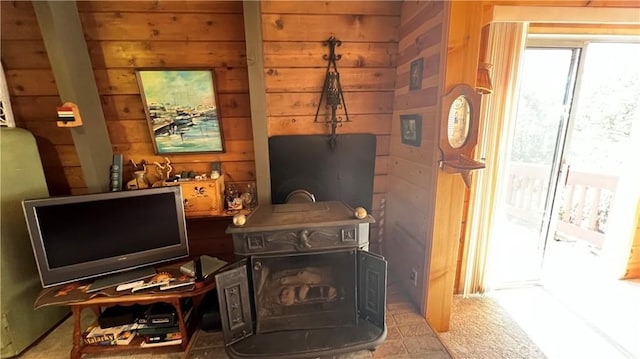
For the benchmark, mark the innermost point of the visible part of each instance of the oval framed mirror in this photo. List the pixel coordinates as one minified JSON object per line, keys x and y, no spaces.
{"x":459,"y":123}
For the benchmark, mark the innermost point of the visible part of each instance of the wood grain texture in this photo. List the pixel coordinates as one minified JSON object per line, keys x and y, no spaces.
{"x":353,"y":79}
{"x":18,"y":21}
{"x":159,"y":26}
{"x":207,"y":236}
{"x":35,"y":108}
{"x":352,"y":28}
{"x":310,"y":54}
{"x":404,"y":256}
{"x":119,"y":81}
{"x":283,"y":104}
{"x":235,"y":151}
{"x":413,"y":170}
{"x":161,"y":6}
{"x":137,"y":54}
{"x":633,"y":263}
{"x":24,"y":54}
{"x":378,"y":124}
{"x":388,"y":8}
{"x":461,"y":67}
{"x":129,"y":107}
{"x":444,"y":247}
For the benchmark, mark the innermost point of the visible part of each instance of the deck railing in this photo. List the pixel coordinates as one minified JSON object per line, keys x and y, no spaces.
{"x":585,"y":200}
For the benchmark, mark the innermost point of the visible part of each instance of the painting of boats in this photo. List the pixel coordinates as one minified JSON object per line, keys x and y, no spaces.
{"x":181,"y":109}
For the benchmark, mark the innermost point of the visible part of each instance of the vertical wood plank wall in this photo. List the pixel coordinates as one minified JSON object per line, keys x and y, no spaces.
{"x":293,"y":36}
{"x":413,"y":170}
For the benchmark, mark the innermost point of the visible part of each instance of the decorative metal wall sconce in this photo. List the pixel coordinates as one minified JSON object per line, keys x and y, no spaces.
{"x":332,"y":92}
{"x":483,"y":79}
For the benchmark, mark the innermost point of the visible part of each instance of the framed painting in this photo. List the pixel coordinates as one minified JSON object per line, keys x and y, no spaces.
{"x":415,"y":74}
{"x":182,"y":110}
{"x":411,"y":128}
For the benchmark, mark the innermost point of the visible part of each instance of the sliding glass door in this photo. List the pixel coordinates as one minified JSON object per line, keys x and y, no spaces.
{"x":522,"y":223}
{"x":575,"y":112}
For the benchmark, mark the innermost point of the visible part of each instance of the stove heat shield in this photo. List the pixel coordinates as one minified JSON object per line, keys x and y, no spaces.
{"x":344,"y":172}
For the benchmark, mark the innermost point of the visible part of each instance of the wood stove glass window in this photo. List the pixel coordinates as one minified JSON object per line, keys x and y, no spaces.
{"x":304,"y":291}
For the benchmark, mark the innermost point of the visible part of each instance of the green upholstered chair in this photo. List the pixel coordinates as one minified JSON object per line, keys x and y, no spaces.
{"x":21,"y":177}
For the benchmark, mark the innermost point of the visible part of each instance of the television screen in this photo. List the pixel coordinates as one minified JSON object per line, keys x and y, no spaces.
{"x":88,"y":236}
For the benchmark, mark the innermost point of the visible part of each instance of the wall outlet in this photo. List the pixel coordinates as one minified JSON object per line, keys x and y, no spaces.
{"x":414,"y":277}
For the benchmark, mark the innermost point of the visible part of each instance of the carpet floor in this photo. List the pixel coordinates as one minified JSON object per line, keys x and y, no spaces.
{"x":481,"y":329}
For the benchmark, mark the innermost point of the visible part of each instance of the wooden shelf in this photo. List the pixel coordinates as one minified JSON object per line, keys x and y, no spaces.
{"x":173,"y":298}
{"x":459,"y":165}
{"x":463,"y":166}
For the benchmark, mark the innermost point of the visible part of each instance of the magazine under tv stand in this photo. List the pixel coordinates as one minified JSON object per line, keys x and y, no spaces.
{"x":174,"y":298}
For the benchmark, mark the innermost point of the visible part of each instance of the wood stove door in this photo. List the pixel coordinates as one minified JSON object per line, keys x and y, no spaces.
{"x":235,"y":303}
{"x":372,"y":287}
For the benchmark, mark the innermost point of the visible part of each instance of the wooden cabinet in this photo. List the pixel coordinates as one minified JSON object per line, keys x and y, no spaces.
{"x":202,"y":198}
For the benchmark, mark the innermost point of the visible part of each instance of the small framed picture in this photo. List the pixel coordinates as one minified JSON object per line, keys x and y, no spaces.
{"x":415,"y":74}
{"x":411,"y":128}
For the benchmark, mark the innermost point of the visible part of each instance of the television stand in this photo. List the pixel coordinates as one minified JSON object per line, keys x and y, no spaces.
{"x":126,"y":299}
{"x":112,"y":280}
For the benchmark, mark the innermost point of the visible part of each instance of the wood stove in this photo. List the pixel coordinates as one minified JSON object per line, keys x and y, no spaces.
{"x":305,"y":284}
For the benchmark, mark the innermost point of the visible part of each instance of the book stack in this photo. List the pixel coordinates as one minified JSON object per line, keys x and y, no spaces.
{"x":158,"y":325}
{"x":118,"y":335}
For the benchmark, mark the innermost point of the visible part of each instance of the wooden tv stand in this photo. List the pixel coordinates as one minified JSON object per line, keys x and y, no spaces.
{"x":173,"y":298}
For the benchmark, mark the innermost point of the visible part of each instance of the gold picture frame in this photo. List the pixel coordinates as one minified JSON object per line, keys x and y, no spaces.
{"x":182,"y":110}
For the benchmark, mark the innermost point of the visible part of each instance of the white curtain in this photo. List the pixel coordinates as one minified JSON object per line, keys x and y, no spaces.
{"x":504,"y":51}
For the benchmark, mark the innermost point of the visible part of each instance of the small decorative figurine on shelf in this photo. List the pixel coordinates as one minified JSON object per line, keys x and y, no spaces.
{"x":248,"y":197}
{"x":163,"y":170}
{"x":234,"y":202}
{"x":140,"y":176}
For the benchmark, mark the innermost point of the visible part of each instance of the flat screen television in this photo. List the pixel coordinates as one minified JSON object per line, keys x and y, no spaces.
{"x":117,"y":236}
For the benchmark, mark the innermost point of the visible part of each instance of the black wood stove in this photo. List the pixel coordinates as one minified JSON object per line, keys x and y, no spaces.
{"x":305,"y":284}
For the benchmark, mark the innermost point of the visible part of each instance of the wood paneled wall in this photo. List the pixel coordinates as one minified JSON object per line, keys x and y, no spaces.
{"x":413,"y":170}
{"x":293,"y":36}
{"x":125,"y":36}
{"x":122,"y":37}
{"x":633,"y":265}
{"x":34,"y":96}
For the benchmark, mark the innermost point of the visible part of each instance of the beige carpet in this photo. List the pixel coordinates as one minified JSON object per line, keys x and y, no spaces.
{"x":481,"y":329}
